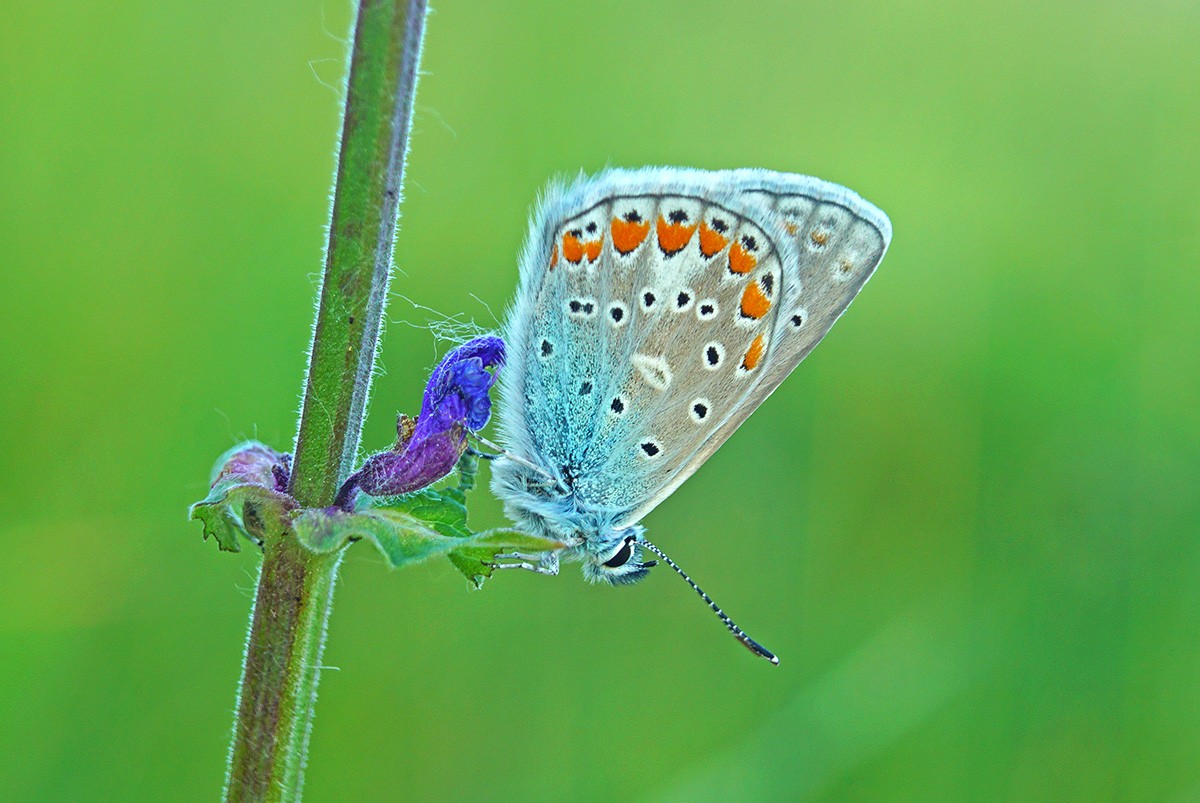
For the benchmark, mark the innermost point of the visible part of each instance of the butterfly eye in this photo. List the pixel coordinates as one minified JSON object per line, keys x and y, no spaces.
{"x":623,"y":555}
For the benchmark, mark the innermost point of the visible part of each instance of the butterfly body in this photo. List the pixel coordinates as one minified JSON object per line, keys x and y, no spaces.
{"x":657,"y":308}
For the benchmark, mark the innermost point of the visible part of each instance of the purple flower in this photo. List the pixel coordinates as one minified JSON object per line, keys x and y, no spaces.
{"x":456,"y":401}
{"x":253,"y":463}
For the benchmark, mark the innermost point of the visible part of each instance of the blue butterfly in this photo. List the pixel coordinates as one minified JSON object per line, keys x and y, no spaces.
{"x":657,"y":308}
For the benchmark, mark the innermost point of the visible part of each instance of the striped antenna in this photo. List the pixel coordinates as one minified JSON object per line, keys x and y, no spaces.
{"x":737,"y":632}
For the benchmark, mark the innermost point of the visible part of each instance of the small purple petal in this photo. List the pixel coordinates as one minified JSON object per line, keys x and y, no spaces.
{"x":422,"y":463}
{"x":254,"y":463}
{"x":457,"y":392}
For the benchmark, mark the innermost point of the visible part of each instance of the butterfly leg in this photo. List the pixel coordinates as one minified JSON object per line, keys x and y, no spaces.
{"x":541,"y":563}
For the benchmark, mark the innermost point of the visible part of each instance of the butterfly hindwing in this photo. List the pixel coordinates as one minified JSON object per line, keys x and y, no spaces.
{"x":833,"y":240}
{"x":656,"y":311}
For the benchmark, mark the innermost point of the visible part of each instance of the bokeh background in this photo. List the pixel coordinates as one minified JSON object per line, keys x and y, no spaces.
{"x":968,"y":523}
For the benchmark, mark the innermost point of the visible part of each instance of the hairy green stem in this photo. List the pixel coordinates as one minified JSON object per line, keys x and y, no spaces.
{"x":379,"y":98}
{"x":281,"y":667}
{"x":281,"y":671}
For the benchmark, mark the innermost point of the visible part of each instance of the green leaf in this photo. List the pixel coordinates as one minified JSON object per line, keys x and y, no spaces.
{"x":403,"y":538}
{"x":218,"y":523}
{"x":442,"y":510}
{"x":475,"y":562}
{"x":246,"y":509}
{"x":243,"y":499}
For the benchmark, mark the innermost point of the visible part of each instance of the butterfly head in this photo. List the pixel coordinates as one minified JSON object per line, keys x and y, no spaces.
{"x":616,"y":561}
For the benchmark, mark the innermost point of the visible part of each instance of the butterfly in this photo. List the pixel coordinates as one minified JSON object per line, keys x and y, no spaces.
{"x":656,"y":309}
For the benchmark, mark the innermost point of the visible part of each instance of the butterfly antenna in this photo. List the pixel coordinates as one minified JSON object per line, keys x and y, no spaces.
{"x":737,"y":632}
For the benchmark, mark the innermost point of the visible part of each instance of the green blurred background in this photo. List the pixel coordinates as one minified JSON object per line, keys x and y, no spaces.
{"x":967,"y":523}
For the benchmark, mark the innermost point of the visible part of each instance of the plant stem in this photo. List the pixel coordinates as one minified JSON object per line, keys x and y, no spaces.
{"x":281,"y":668}
{"x":379,"y":98}
{"x":281,"y":671}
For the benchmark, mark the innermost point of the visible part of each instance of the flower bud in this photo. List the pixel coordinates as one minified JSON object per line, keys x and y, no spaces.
{"x":456,"y":401}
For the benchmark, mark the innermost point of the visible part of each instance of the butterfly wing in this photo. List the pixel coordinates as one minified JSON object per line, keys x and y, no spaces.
{"x":840,"y":239}
{"x":652,"y":319}
{"x":837,"y":239}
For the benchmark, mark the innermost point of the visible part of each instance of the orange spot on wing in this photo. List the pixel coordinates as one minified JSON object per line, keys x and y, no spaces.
{"x":627,"y":235}
{"x":554,"y":257}
{"x":740,"y":260}
{"x":593,"y":249}
{"x":819,"y":237}
{"x":754,"y":303}
{"x":672,"y":237}
{"x":710,"y":241}
{"x":572,"y":249}
{"x":753,"y":354}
